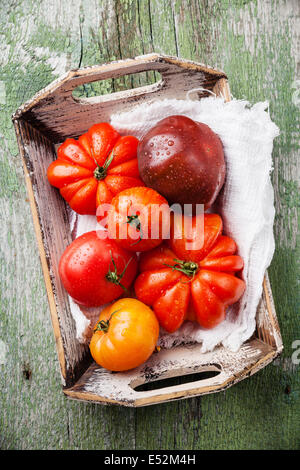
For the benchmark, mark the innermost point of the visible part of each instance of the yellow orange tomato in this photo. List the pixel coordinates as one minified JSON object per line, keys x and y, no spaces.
{"x":125,"y":335}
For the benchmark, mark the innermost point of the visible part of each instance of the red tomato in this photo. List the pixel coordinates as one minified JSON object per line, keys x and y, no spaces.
{"x":96,"y":271}
{"x":90,"y":171}
{"x":180,"y":283}
{"x":193,"y":237}
{"x":138,"y":219}
{"x":125,"y":335}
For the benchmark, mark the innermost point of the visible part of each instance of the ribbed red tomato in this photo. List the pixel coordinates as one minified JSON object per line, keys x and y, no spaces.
{"x":90,"y":171}
{"x":181,"y":283}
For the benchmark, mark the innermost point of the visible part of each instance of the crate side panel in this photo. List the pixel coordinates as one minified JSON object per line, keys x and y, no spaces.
{"x":58,"y":115}
{"x":38,"y":152}
{"x":98,"y":384}
{"x":267,"y":327}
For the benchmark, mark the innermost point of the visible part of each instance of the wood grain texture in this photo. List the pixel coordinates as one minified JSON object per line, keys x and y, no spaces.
{"x":256,"y":44}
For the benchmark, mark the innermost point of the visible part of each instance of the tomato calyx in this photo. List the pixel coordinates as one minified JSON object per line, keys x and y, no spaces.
{"x":189,"y":268}
{"x":134,"y":221}
{"x":103,"y":325}
{"x":114,"y":277}
{"x":101,"y":171}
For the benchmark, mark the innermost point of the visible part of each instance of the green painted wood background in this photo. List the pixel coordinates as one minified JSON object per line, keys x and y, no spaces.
{"x":257,"y":44}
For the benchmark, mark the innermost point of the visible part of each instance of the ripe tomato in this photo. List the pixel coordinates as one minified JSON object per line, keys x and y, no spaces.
{"x":125,"y":335}
{"x":193,"y":237}
{"x":138,"y":219}
{"x":183,"y":160}
{"x":90,"y":171}
{"x":96,"y":271}
{"x":181,"y":283}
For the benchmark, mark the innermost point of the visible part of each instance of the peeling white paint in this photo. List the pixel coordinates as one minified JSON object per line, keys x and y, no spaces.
{"x":57,"y":61}
{"x":3,"y":352}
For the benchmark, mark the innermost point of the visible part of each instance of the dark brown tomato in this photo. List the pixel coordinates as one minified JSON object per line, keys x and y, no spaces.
{"x":183,"y":160}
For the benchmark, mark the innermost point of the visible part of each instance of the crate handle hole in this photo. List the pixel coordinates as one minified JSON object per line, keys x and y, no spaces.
{"x":177,"y":380}
{"x":116,"y":88}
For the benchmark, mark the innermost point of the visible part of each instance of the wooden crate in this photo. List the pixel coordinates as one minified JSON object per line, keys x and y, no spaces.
{"x":46,"y":120}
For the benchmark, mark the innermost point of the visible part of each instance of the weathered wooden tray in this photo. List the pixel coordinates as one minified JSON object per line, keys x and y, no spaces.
{"x":46,"y":120}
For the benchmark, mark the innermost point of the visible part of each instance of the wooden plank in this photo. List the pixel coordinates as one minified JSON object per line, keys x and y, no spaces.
{"x":53,"y":235}
{"x":57,"y":114}
{"x":256,"y":44}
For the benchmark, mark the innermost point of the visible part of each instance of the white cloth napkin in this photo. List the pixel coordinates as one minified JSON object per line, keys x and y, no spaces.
{"x":245,"y":204}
